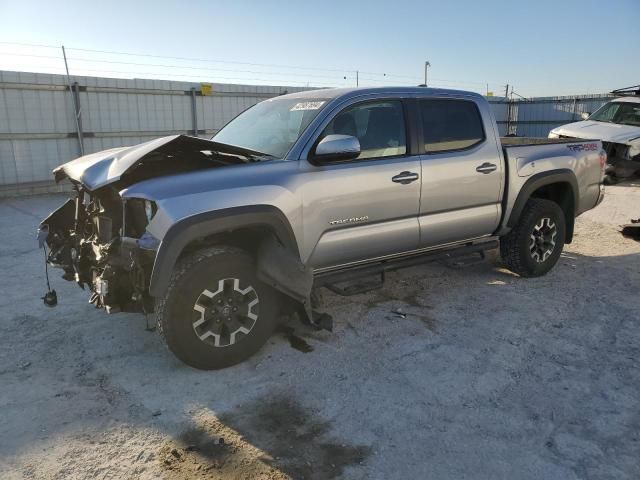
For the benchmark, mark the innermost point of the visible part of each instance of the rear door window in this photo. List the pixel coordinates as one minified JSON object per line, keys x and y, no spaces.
{"x":450,"y":125}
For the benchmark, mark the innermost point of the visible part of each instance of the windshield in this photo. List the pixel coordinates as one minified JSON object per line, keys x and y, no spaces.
{"x":271,"y":127}
{"x":625,"y":113}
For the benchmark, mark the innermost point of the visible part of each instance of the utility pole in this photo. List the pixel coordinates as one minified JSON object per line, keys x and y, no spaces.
{"x":75,"y":103}
{"x":357,"y":78}
{"x":506,"y":96}
{"x":426,"y":70}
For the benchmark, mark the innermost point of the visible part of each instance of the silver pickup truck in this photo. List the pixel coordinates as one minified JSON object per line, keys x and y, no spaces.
{"x":321,"y":188}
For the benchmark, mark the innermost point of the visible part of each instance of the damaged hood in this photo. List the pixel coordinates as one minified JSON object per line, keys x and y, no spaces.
{"x":607,"y":132}
{"x":182,"y":152}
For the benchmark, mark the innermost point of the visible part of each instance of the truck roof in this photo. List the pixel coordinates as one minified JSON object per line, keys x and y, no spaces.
{"x":333,"y":93}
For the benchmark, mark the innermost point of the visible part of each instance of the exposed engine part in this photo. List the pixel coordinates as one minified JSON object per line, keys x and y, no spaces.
{"x":86,"y":240}
{"x":620,"y":162}
{"x":50,"y":298}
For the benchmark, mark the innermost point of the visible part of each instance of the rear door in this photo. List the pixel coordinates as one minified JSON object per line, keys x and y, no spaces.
{"x":367,"y":207}
{"x":462,"y":171}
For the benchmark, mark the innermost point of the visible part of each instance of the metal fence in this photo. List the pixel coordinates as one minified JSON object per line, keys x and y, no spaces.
{"x":536,"y":116}
{"x":38,"y":112}
{"x":38,"y":128}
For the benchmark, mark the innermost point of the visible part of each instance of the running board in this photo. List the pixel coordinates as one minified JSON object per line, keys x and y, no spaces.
{"x":348,"y":274}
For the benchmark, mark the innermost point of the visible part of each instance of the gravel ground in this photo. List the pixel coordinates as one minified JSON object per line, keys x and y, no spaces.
{"x":485,"y":376}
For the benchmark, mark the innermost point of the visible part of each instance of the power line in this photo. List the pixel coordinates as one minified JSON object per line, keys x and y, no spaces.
{"x":299,"y":67}
{"x":199,"y":68}
{"x":414,"y":80}
{"x":30,"y":45}
{"x":166,"y":76}
{"x":173,"y":66}
{"x":439,"y":82}
{"x":114,"y":52}
{"x":344,"y":72}
{"x":339,"y":82}
{"x":30,"y":55}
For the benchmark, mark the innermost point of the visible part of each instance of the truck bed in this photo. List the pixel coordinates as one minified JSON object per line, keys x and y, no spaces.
{"x":525,"y":157}
{"x":525,"y":141}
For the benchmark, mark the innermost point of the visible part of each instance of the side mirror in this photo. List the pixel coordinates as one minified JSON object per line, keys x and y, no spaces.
{"x":585,"y":115}
{"x":334,"y":148}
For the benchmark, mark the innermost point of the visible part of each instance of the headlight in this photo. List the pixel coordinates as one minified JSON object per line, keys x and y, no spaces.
{"x":553,"y":134}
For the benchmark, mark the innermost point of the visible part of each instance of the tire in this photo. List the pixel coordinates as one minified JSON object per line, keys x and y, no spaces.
{"x":534,"y":245}
{"x":215,"y":312}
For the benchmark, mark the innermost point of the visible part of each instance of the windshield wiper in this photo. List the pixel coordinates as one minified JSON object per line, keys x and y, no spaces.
{"x":249,"y":154}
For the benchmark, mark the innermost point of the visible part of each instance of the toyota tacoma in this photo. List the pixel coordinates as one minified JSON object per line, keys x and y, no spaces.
{"x":320,"y":188}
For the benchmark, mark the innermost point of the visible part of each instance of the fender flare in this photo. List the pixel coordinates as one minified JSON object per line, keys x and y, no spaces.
{"x":540,"y":180}
{"x":205,"y":224}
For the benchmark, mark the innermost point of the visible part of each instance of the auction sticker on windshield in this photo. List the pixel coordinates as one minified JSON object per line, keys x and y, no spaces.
{"x":306,"y":106}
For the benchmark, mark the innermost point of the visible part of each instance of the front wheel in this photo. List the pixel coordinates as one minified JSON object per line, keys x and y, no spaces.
{"x":216,"y":312}
{"x":534,"y":245}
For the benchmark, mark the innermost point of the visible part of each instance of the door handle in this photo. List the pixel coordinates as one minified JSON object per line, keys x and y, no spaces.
{"x":405,"y":178}
{"x":486,"y":167}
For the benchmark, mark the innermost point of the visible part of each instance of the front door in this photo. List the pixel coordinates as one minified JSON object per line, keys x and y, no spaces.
{"x":367,"y":207}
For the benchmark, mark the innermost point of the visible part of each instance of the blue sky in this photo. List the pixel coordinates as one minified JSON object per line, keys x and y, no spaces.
{"x":541,"y":47}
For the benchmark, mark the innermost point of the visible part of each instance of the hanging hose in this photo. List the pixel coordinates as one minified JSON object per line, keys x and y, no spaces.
{"x":50,"y":298}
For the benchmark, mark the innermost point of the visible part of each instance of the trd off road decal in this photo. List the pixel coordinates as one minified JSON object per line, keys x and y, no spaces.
{"x":583,"y":147}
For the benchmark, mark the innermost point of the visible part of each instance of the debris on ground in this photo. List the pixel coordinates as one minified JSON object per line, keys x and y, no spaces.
{"x":295,"y":341}
{"x":631,"y":230}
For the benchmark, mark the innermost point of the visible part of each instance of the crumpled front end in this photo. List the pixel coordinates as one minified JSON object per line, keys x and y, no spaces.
{"x":99,"y":237}
{"x":100,"y":242}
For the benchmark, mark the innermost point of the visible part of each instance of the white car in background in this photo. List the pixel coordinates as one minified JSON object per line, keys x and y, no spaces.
{"x":617,"y":125}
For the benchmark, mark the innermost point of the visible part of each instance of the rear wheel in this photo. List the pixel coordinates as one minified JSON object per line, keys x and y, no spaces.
{"x":534,"y":245}
{"x":216,"y":312}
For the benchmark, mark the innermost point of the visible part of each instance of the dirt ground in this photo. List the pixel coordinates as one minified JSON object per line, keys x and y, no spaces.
{"x":482,"y":375}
